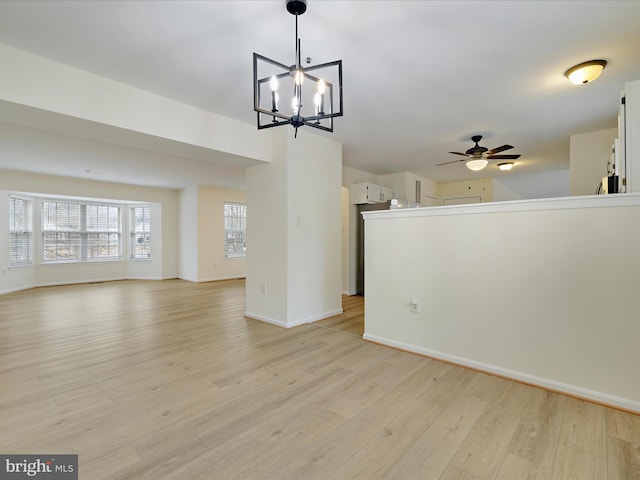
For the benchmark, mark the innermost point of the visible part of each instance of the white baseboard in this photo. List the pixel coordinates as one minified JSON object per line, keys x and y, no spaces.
{"x":188,"y":279}
{"x":316,"y":318}
{"x":218,"y":279}
{"x":295,"y":323}
{"x":13,"y":290}
{"x":57,"y":284}
{"x":80,"y":282}
{"x":146,"y":278}
{"x":545,"y":383}
{"x":263,"y":318}
{"x":211,"y":279}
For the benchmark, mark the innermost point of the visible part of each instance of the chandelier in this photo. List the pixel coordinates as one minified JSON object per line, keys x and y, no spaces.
{"x":312,"y":95}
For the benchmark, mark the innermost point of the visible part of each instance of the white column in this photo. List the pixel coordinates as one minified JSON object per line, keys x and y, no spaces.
{"x":294,"y":230}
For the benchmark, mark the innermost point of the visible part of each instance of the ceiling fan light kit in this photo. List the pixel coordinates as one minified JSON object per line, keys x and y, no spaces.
{"x":505,"y":166}
{"x":585,"y":72}
{"x":318,"y":87}
{"x":476,"y":165}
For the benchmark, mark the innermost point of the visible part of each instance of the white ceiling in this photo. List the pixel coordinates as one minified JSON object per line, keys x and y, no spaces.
{"x":420,"y":77}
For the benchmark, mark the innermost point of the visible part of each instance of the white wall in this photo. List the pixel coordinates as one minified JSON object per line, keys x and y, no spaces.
{"x":202,"y":257}
{"x":541,"y":291}
{"x":353,"y":175}
{"x":502,"y":193}
{"x":294,"y":231}
{"x":315,"y":227}
{"x":267,"y":235}
{"x":346,"y":228}
{"x":482,"y":188}
{"x":589,"y":154}
{"x":188,"y":219}
{"x":37,"y":82}
{"x":538,"y":185}
{"x":164,"y":202}
{"x":212,"y":262}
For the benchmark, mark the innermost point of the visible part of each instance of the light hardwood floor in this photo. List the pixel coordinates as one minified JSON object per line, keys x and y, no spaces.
{"x":168,"y":380}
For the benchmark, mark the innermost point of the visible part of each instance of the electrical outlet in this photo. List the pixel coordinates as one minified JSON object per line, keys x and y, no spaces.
{"x":263,"y":287}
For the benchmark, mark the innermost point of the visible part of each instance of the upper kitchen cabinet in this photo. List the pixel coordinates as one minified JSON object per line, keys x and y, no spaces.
{"x":360,"y":193}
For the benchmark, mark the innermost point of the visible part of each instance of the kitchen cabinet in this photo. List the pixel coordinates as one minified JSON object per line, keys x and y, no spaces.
{"x":386,"y":194}
{"x":361,"y":193}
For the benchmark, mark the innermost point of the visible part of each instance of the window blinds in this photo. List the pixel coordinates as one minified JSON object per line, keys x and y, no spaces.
{"x":76,"y":231}
{"x":20,"y":231}
{"x":235,"y":230}
{"x":141,"y":233}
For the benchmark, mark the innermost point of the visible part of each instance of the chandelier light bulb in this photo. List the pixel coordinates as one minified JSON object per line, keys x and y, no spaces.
{"x":274,"y":84}
{"x":295,"y":105}
{"x":317,"y":101}
{"x":274,"y":94}
{"x":319,"y":98}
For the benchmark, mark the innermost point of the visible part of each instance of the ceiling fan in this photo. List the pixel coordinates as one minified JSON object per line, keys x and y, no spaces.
{"x":477,"y":157}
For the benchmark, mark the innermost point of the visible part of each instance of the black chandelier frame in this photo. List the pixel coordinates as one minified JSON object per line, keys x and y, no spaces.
{"x":273,"y":117}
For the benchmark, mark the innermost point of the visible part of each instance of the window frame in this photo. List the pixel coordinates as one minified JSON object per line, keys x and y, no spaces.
{"x":145,"y":231}
{"x":26,"y":230}
{"x":238,"y":238}
{"x":80,"y":237}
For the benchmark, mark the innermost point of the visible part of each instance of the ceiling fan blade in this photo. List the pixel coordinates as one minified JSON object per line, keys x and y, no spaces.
{"x":452,"y":161}
{"x":499,"y":149}
{"x":503,"y":157}
{"x":458,"y":153}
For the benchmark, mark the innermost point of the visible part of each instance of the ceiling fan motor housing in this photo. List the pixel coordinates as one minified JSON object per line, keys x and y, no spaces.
{"x":476,"y":150}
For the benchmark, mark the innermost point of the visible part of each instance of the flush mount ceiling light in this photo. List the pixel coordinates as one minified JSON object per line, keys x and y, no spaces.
{"x":505,"y":166}
{"x":476,"y":165}
{"x":585,"y":72}
{"x":317,"y":87}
